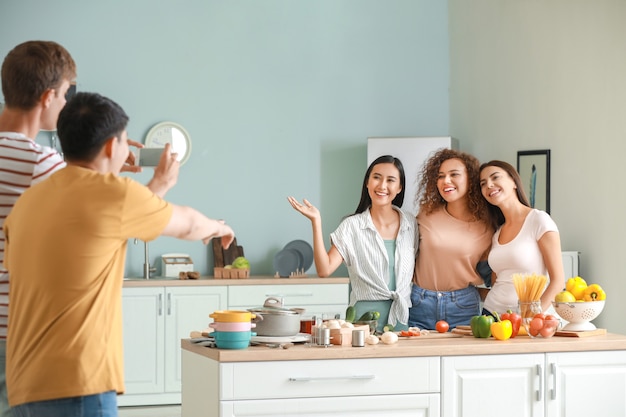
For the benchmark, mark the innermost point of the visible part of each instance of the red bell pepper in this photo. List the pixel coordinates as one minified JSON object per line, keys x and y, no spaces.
{"x":515,"y":319}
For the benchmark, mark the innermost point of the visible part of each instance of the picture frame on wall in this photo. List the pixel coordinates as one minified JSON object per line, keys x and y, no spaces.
{"x":534,"y":170}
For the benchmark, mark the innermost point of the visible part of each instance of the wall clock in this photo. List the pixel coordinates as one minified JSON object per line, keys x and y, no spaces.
{"x":173,"y":133}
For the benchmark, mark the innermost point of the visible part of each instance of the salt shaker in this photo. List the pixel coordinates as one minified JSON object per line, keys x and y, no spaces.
{"x":323,"y":337}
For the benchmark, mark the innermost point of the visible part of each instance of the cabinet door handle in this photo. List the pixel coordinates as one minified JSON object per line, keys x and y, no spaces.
{"x":540,"y":375}
{"x":553,"y":369}
{"x":329,"y":378}
{"x":169,"y":304}
{"x":160,"y":304}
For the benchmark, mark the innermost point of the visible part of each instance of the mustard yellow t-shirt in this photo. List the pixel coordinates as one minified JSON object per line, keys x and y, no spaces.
{"x":66,"y":248}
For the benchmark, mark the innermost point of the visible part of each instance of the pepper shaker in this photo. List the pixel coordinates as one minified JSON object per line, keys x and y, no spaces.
{"x":358,"y":338}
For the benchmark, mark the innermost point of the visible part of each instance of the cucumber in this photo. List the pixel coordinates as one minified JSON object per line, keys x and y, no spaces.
{"x":369,"y":316}
{"x":350,"y":314}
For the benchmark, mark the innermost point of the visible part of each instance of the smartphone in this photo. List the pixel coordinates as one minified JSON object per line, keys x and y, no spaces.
{"x":149,"y":157}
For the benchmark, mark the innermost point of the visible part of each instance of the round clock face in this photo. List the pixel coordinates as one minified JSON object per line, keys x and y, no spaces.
{"x":173,"y":133}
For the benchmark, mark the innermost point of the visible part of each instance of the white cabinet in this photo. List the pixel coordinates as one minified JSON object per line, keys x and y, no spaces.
{"x":586,"y":384}
{"x":155,"y":320}
{"x":492,"y":386}
{"x":346,"y":387}
{"x":553,"y":385}
{"x":316,"y":299}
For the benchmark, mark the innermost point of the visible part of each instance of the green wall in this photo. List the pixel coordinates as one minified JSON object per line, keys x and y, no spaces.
{"x":278,"y":97}
{"x":552,"y":75}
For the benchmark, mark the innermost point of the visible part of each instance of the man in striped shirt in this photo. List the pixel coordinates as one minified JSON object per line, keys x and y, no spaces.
{"x":35,"y":78}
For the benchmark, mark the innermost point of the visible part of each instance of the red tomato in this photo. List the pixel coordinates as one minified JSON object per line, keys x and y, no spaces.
{"x":535,"y":326}
{"x":550,"y":317}
{"x":540,"y":316}
{"x":442,"y":326}
{"x":547,"y":331}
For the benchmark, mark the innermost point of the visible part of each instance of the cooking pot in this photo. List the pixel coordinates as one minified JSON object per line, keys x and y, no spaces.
{"x":272,"y":319}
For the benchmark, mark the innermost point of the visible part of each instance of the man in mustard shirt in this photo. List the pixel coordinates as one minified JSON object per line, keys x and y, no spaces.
{"x":65,"y":250}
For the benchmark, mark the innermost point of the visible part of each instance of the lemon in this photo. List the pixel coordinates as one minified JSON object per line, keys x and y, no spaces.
{"x":565,"y":297}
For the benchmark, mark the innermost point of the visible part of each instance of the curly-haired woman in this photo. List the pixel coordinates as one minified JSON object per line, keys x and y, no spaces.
{"x":455,"y":234}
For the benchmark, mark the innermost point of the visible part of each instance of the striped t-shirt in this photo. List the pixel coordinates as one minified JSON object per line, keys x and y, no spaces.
{"x":22,"y":164}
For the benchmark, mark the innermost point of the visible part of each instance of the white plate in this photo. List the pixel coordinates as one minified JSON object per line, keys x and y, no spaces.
{"x":300,"y":337}
{"x":305,"y":250}
{"x":286,"y":261}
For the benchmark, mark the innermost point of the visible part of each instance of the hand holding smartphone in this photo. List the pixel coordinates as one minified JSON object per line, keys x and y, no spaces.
{"x":149,"y":157}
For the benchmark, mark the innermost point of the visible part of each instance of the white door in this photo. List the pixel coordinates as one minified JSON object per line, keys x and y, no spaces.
{"x":143,"y":339}
{"x":493,"y":386}
{"x":586,"y":384}
{"x":186,"y":309}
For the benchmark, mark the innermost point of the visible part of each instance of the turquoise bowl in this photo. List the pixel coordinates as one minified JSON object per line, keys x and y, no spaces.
{"x":233,"y":336}
{"x":232,"y":340}
{"x":227,"y":344}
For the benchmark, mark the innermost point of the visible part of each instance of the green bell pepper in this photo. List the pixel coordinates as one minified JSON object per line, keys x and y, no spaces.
{"x":481,"y":326}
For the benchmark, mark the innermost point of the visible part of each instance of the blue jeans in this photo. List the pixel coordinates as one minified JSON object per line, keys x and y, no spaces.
{"x":5,"y":410}
{"x":455,"y":307}
{"x":97,"y":405}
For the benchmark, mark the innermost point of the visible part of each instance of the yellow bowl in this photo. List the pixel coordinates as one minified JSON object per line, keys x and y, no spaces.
{"x":232,"y":316}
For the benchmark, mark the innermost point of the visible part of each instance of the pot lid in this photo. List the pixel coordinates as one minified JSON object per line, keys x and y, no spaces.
{"x":274,"y":306}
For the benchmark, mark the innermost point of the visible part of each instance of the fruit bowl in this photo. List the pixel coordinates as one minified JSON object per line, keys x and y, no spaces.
{"x":579,"y":314}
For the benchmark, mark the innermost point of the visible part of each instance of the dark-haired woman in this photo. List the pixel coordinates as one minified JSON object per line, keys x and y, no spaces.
{"x":527,"y":240}
{"x":377,"y":243}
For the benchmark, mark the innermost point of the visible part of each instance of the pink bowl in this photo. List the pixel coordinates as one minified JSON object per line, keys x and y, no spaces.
{"x":235,"y":326}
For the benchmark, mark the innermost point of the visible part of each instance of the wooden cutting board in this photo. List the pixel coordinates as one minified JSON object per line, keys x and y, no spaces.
{"x":223,"y":257}
{"x":431,"y":335}
{"x":588,"y":333}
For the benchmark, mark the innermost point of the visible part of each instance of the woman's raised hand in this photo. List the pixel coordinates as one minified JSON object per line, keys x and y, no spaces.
{"x":307,"y":209}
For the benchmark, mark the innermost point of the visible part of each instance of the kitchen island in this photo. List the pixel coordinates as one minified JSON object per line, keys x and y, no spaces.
{"x":437,"y":375}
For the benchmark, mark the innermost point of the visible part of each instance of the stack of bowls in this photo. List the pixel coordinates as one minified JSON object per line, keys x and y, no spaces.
{"x":233,"y":328}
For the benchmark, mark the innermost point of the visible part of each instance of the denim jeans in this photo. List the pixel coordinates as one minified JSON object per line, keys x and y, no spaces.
{"x":97,"y":405}
{"x":455,"y":307}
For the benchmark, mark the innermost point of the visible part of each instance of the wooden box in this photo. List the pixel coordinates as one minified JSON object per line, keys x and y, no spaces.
{"x":230,"y":273}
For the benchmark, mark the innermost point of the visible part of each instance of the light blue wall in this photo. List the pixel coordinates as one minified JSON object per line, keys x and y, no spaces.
{"x":278,"y":96}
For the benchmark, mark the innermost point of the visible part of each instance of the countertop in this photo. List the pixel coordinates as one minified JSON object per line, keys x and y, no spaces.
{"x":212,"y":281}
{"x":452,"y":345}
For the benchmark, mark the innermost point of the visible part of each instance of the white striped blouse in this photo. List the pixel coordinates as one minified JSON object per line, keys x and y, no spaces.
{"x":22,"y":163}
{"x":363,"y":251}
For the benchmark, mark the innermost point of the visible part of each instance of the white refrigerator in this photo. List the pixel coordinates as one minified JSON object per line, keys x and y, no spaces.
{"x":413,"y":152}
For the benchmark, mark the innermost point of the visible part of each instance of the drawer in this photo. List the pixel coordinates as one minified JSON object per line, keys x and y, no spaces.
{"x":329,"y":378}
{"x":397,"y":405}
{"x":293,"y":295}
